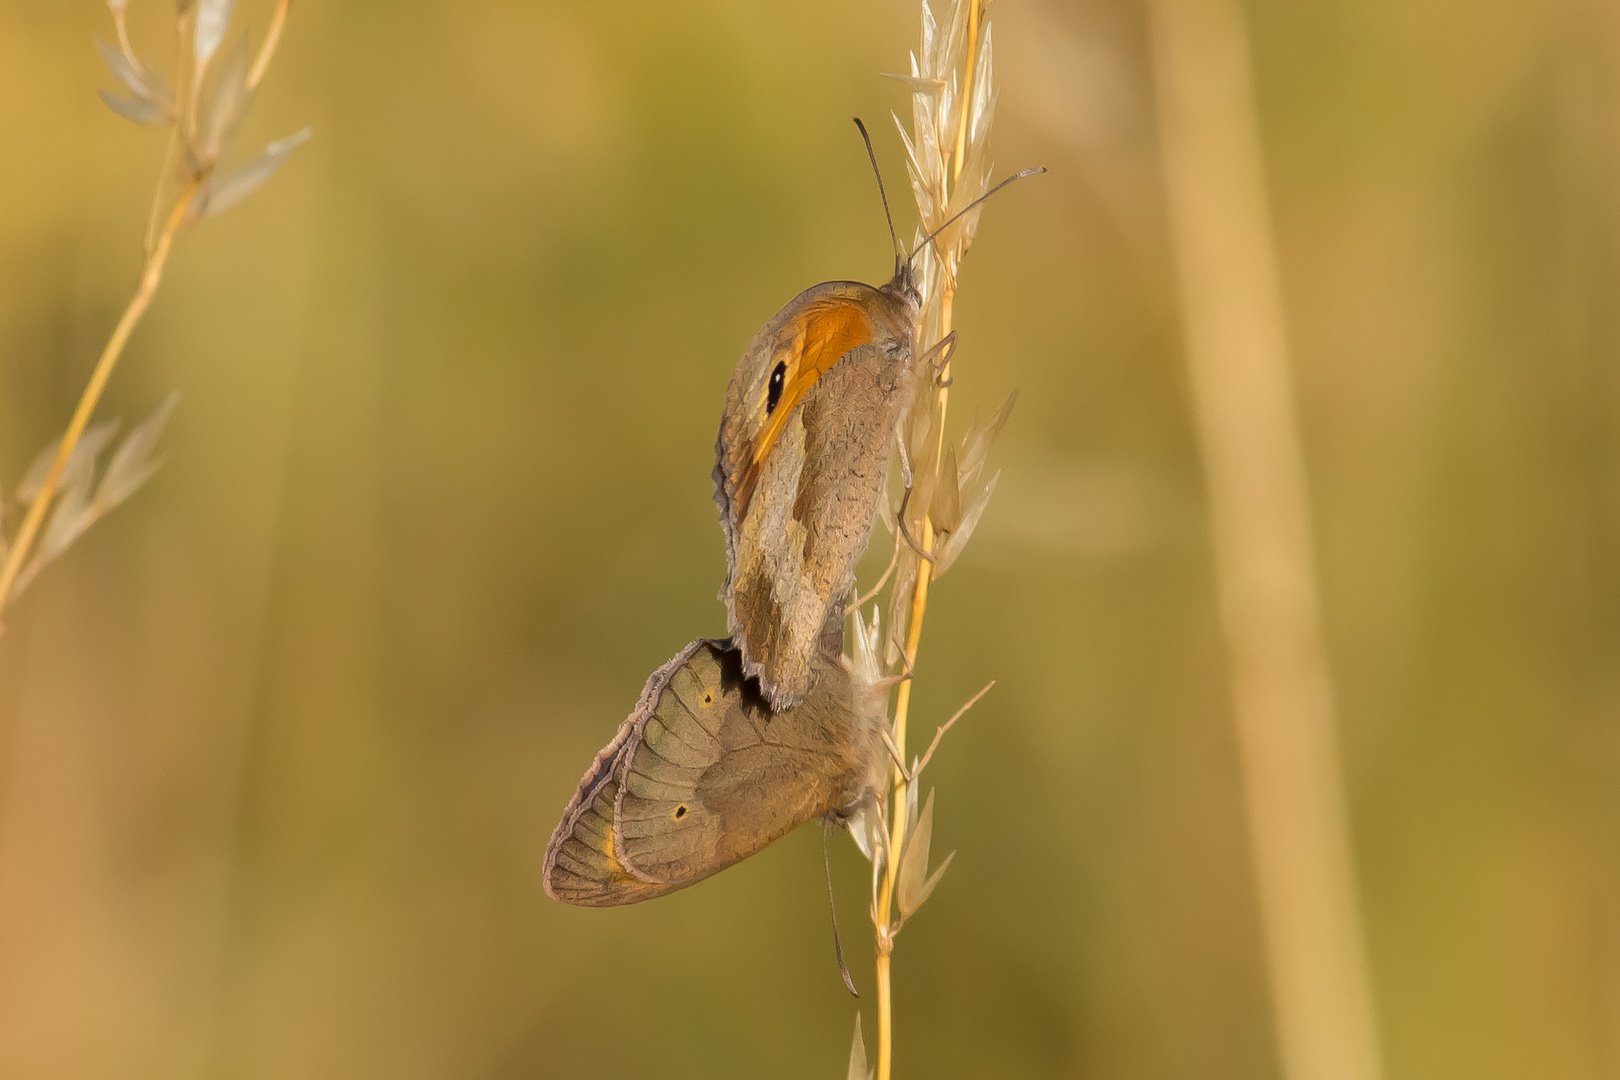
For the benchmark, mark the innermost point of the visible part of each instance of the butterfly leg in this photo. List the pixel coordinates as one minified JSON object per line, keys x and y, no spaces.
{"x":939,"y":355}
{"x":900,"y":523}
{"x":896,"y":680}
{"x":894,"y":560}
{"x":832,"y":905}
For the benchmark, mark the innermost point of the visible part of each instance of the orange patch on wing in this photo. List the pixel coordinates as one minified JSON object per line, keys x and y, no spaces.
{"x":826,"y":331}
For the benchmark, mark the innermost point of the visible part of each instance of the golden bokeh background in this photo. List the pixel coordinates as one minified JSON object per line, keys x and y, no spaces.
{"x":282,"y":741}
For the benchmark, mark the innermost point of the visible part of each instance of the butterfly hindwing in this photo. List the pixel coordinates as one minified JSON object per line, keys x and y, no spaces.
{"x":582,"y":864}
{"x":704,"y":774}
{"x":764,"y":774}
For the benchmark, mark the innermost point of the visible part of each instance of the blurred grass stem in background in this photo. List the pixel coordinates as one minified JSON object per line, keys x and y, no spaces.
{"x":1259,"y":520}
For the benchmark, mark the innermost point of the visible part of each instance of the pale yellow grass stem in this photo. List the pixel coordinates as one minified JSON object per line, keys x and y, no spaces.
{"x":919,"y":608}
{"x":153,"y":215}
{"x":272,"y":37}
{"x":1260,"y":529}
{"x":897,"y":803}
{"x":151,"y":275}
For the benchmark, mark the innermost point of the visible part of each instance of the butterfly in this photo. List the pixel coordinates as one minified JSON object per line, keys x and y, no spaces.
{"x":735,"y":742}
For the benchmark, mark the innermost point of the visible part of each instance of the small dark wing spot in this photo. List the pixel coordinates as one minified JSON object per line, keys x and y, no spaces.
{"x":773,"y":393}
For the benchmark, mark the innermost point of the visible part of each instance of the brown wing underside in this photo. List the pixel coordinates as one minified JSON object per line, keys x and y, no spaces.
{"x":816,"y":339}
{"x":795,"y":551}
{"x":703,"y":775}
{"x":582,"y":865}
{"x":796,"y":490}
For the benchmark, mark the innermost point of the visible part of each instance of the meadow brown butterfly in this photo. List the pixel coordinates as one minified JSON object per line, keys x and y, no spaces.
{"x":736,"y":742}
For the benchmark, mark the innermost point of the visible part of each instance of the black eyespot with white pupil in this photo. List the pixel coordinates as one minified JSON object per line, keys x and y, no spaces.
{"x":773,"y":393}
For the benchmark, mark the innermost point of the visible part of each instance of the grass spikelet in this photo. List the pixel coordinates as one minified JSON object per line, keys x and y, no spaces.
{"x":60,"y":493}
{"x":953,"y":96}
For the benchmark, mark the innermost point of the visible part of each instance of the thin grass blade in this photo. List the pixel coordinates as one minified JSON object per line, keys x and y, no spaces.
{"x":982,"y":109}
{"x":867,"y":661}
{"x":914,"y":858}
{"x":143,"y":85}
{"x":139,"y":110}
{"x":132,"y":463}
{"x":857,"y":1055}
{"x":230,"y":99}
{"x":915,"y":83}
{"x":905,"y":582}
{"x":924,"y":468}
{"x":226,"y":191}
{"x":72,"y":515}
{"x":80,"y":462}
{"x":952,"y":549}
{"x":948,"y":499}
{"x":976,"y":444}
{"x":212,"y":18}
{"x":933,"y":881}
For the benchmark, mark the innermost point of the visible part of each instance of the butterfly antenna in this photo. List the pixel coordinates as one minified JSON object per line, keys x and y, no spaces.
{"x":838,"y":945}
{"x":929,"y":239}
{"x":899,"y":252}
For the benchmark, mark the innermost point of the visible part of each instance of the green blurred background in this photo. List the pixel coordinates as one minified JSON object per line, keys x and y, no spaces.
{"x":281,"y":742}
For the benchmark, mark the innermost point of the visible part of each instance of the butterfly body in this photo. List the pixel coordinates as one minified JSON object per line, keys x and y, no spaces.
{"x":800,"y":465}
{"x":704,"y":773}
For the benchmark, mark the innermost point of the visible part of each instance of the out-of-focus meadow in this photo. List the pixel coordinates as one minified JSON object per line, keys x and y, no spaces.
{"x":282,"y":741}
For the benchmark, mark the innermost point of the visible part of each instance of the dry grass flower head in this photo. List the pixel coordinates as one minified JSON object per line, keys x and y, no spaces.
{"x":201,"y":102}
{"x":942,"y":492}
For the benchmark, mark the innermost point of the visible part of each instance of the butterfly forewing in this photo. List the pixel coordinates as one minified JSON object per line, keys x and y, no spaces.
{"x":799,"y":467}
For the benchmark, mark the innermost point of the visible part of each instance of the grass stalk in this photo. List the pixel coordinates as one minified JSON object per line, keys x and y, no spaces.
{"x":151,"y":276}
{"x":897,"y":801}
{"x":884,"y":946}
{"x":1258,"y":504}
{"x":147,"y":104}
